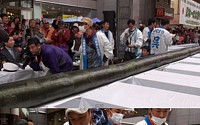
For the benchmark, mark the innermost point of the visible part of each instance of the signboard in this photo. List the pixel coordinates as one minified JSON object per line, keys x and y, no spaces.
{"x":160,"y":12}
{"x":189,"y":13}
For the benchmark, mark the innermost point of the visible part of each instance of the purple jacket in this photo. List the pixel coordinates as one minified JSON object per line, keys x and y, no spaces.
{"x":56,"y":59}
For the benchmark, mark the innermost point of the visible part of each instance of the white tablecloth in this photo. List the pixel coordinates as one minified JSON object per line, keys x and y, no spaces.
{"x":27,"y":73}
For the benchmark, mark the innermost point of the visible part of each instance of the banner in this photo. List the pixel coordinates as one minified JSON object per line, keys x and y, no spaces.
{"x":189,"y":13}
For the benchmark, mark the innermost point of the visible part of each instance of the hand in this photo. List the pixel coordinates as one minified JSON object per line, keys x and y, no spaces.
{"x":131,"y":46}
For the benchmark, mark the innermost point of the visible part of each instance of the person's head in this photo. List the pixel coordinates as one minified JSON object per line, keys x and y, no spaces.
{"x":145,"y":51}
{"x":74,"y":29}
{"x":95,"y":28}
{"x":10,"y":43}
{"x":46,"y":24}
{"x":59,"y":18}
{"x":115,"y":115}
{"x":18,"y":26}
{"x":152,"y":23}
{"x":106,"y":25}
{"x":15,"y":34}
{"x":24,"y":21}
{"x":79,"y":116}
{"x":12,"y":24}
{"x":4,"y":18}
{"x":165,"y":23}
{"x":86,"y":24}
{"x":16,"y":20}
{"x":61,"y":25}
{"x":159,"y":115}
{"x":37,"y":26}
{"x":34,"y":46}
{"x":4,"y":37}
{"x":131,"y":24}
{"x":30,"y":122}
{"x":37,"y":20}
{"x":20,"y":122}
{"x":32,"y":23}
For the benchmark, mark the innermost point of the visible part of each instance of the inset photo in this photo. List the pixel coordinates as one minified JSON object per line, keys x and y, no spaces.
{"x":99,"y":116}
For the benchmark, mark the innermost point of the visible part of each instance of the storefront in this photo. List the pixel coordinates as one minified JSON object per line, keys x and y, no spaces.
{"x":17,"y":8}
{"x":52,"y":10}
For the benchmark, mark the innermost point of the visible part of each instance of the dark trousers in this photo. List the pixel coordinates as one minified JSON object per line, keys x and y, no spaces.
{"x":129,"y":56}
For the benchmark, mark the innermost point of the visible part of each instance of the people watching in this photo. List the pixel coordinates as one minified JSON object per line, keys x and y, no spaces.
{"x":47,"y":32}
{"x":55,"y":22}
{"x":132,"y":39}
{"x":156,"y":116}
{"x":31,"y":31}
{"x":49,"y":56}
{"x":9,"y":53}
{"x":61,"y":37}
{"x":95,"y":48}
{"x":5,"y":21}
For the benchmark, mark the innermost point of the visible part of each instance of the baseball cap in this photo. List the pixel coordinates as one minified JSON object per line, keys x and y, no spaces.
{"x":87,"y":20}
{"x":76,"y":110}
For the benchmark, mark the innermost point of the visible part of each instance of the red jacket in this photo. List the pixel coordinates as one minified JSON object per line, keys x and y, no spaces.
{"x":61,"y":39}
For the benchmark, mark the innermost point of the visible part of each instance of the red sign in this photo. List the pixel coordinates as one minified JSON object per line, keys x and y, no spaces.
{"x":160,"y":12}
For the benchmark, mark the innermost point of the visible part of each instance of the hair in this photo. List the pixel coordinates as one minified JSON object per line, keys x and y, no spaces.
{"x":96,"y":26}
{"x":29,"y":120}
{"x":3,"y":15}
{"x":164,"y":22}
{"x":33,"y":41}
{"x":74,"y":27}
{"x":131,"y":21}
{"x":31,"y":20}
{"x":17,"y":26}
{"x":146,"y":48}
{"x":14,"y":32}
{"x":23,"y":20}
{"x":151,"y":21}
{"x":4,"y":37}
{"x":105,"y":21}
{"x":20,"y":122}
{"x":15,"y":18}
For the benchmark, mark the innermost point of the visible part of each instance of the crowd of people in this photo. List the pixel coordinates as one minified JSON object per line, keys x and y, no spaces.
{"x":113,"y":116}
{"x":55,"y":48}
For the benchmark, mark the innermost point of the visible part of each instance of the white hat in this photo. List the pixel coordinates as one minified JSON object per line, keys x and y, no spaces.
{"x":76,"y":110}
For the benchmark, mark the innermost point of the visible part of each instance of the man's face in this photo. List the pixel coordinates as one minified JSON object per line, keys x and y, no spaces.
{"x":5,"y":20}
{"x":10,"y":43}
{"x":144,"y":53}
{"x":75,"y":30}
{"x":160,"y":113}
{"x":15,"y":36}
{"x":131,"y":26}
{"x":34,"y":49}
{"x":32,"y":24}
{"x":106,"y":25}
{"x":79,"y":119}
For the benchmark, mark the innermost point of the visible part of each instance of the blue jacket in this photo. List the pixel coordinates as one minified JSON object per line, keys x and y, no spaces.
{"x":56,"y":59}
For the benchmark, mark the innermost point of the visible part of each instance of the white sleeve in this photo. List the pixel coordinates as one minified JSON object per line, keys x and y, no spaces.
{"x":112,"y":40}
{"x":108,"y":51}
{"x":168,"y":39}
{"x":145,"y":34}
{"x":122,"y":38}
{"x":139,"y":40}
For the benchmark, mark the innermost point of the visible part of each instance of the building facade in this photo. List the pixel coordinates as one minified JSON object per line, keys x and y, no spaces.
{"x":17,"y":8}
